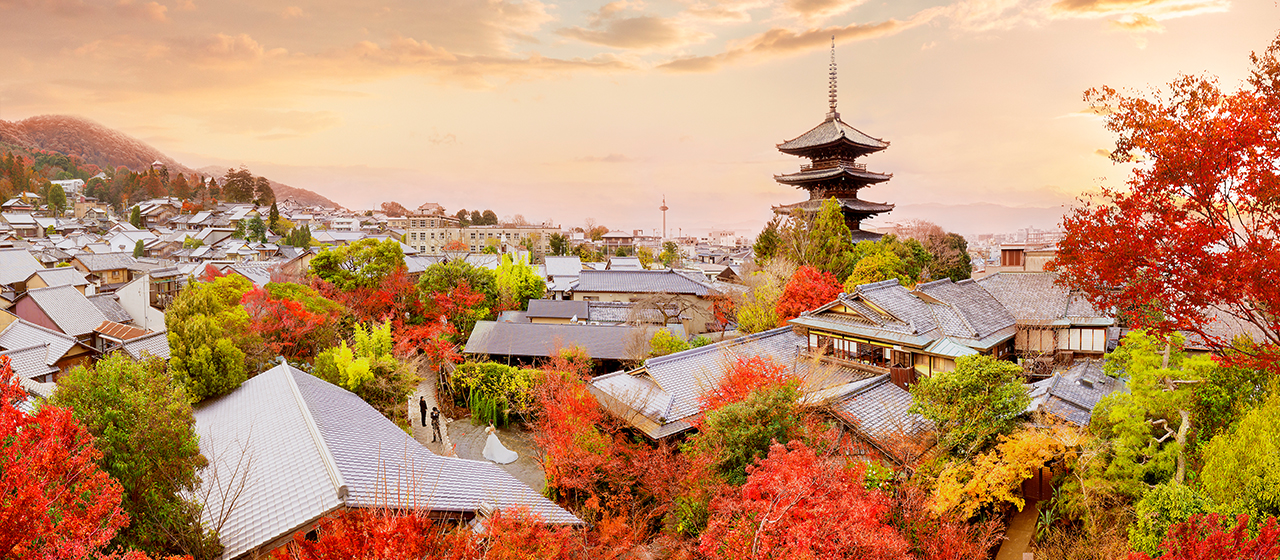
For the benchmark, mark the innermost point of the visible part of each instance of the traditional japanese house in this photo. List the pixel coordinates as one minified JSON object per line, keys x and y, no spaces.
{"x":883,"y":328}
{"x":833,"y":148}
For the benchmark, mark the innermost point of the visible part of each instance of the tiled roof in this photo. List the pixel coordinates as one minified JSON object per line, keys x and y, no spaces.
{"x":262,"y":426}
{"x":16,"y":265}
{"x":982,"y":314}
{"x":854,"y":174}
{"x":155,"y":344}
{"x":880,"y":410}
{"x":1035,"y":298}
{"x":110,"y":308}
{"x":30,"y":362}
{"x":557,"y":309}
{"x":102,"y":262}
{"x":602,"y":342}
{"x":854,"y":204}
{"x":62,"y":276}
{"x":563,"y":266}
{"x":25,"y":334}
{"x":640,"y":281}
{"x":626,"y":311}
{"x":67,"y":308}
{"x":1073,"y":394}
{"x":374,"y":455}
{"x":830,"y":131}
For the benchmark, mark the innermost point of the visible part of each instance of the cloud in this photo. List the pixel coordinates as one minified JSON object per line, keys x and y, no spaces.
{"x":1137,"y":23}
{"x":781,"y":41}
{"x":291,"y":12}
{"x":609,"y":27}
{"x":819,"y":9}
{"x":153,"y":11}
{"x":611,"y":158}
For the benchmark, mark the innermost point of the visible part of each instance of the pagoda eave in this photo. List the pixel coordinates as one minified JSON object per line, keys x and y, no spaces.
{"x":853,"y":206}
{"x":810,"y":177}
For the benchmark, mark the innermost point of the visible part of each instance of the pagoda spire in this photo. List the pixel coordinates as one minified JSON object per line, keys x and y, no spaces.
{"x":832,"y":114}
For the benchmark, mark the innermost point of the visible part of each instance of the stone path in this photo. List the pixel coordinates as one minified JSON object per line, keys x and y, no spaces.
{"x":1017,"y":538}
{"x":463,"y":440}
{"x":423,"y":433}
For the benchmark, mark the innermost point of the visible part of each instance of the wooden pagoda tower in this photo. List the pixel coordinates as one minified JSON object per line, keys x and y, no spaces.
{"x":833,"y":148}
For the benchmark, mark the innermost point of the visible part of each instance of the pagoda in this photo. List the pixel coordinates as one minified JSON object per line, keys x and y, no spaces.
{"x":833,"y":148}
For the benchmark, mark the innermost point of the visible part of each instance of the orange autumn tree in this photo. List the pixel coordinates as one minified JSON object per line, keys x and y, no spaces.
{"x":799,"y":505}
{"x":1196,"y":227}
{"x":809,"y":288}
{"x":743,"y":376}
{"x":57,"y":502}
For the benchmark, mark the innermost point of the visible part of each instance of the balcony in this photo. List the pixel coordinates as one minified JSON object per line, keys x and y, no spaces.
{"x":830,"y":163}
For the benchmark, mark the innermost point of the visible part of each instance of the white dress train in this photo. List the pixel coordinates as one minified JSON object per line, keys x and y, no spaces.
{"x":496,"y":452}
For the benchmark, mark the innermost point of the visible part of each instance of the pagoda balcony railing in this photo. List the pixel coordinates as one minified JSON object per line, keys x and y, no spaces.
{"x":830,"y":163}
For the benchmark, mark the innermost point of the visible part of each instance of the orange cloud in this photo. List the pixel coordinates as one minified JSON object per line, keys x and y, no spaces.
{"x":291,"y":12}
{"x":610,"y":28}
{"x":818,"y":9}
{"x":780,"y":42}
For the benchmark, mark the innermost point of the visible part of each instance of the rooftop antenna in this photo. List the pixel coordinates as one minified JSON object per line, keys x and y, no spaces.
{"x":832,"y":90}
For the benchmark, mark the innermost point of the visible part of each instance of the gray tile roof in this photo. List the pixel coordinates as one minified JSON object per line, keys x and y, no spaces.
{"x":981,"y":315}
{"x":557,"y":309}
{"x":839,"y":171}
{"x":1035,"y":298}
{"x":30,"y":362}
{"x":832,"y":130}
{"x":62,"y":276}
{"x":101,"y":262}
{"x":373,"y":454}
{"x":1073,"y":394}
{"x":602,"y":342}
{"x":16,"y":265}
{"x":640,"y":281}
{"x":68,"y":308}
{"x":563,"y":266}
{"x":110,"y":308}
{"x":25,"y":334}
{"x":626,"y":311}
{"x":878,"y":408}
{"x":314,"y":447}
{"x":155,"y":344}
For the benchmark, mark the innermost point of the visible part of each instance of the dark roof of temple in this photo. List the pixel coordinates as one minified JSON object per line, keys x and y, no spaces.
{"x":832,"y":131}
{"x":854,"y":204}
{"x":811,"y":175}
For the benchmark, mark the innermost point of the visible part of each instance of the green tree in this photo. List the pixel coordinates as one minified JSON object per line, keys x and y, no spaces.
{"x":464,"y":219}
{"x":239,"y":233}
{"x":273,"y":218}
{"x":139,"y":249}
{"x":671,"y":255}
{"x":1242,"y":467}
{"x":757,"y":308}
{"x":191,"y":243}
{"x":489,"y":218}
{"x":262,"y":192}
{"x":875,"y":263}
{"x":738,"y":433}
{"x":56,"y":199}
{"x":209,"y":335}
{"x":256,"y":230}
{"x":141,"y":420}
{"x":299,"y":237}
{"x":663,"y":343}
{"x":822,"y":241}
{"x":1162,"y":507}
{"x":517,"y":283}
{"x":135,"y":217}
{"x":362,"y":264}
{"x":368,"y":368}
{"x":238,"y":185}
{"x":972,"y":405}
{"x":645,"y":255}
{"x":477,"y":219}
{"x":950,"y":257}
{"x":768,"y":242}
{"x":559,"y":244}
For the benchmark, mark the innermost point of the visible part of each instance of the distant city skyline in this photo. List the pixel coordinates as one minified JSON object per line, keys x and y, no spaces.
{"x":579,"y":110}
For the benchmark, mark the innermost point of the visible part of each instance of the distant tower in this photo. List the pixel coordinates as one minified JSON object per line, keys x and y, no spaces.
{"x":664,"y":216}
{"x":833,"y":172}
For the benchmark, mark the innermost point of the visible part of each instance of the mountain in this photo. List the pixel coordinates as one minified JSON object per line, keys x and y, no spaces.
{"x":109,"y":148}
{"x":983,"y":217}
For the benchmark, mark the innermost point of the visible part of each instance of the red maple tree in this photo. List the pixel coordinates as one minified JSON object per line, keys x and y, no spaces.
{"x":57,"y":502}
{"x":809,"y":288}
{"x":1196,"y":227}
{"x":1202,"y":537}
{"x":296,"y":323}
{"x":796,"y":504}
{"x":741,"y":377}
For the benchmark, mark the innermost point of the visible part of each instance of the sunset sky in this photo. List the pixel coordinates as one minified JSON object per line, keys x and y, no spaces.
{"x":570,"y":110}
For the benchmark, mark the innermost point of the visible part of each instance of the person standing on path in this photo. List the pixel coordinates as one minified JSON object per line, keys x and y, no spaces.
{"x":422,"y":407}
{"x":435,"y":425}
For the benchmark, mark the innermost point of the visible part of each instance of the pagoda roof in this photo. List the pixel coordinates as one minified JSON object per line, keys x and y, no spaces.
{"x":851,"y":204}
{"x":832,"y":132}
{"x":811,"y":175}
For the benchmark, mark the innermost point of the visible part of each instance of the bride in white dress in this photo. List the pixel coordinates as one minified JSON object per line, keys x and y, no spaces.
{"x":495,"y":451}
